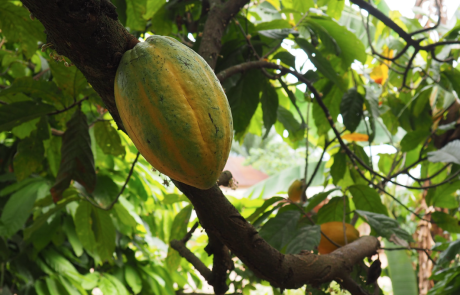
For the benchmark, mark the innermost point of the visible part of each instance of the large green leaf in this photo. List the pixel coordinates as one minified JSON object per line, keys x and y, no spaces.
{"x":69,"y":79}
{"x":29,"y":157}
{"x":108,"y":139}
{"x":244,"y":98}
{"x":384,"y":226}
{"x":317,"y":199}
{"x":320,"y":62}
{"x":412,"y":139}
{"x":333,"y":211}
{"x":269,"y":101}
{"x":367,"y":199}
{"x":351,"y":109}
{"x":450,"y":153}
{"x":402,"y":274}
{"x":351,"y":48}
{"x":279,"y":230}
{"x":178,"y":231}
{"x":133,"y":278}
{"x":267,"y":203}
{"x":77,"y":157}
{"x":338,"y":167}
{"x":305,"y":238}
{"x":95,"y":230}
{"x":18,"y":27}
{"x":46,"y":91}
{"x":443,"y":196}
{"x":135,"y":9}
{"x":446,"y":222}
{"x":15,"y":114}
{"x":19,"y":207}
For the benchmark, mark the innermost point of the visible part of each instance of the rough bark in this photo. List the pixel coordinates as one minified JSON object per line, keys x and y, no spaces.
{"x":89,"y":34}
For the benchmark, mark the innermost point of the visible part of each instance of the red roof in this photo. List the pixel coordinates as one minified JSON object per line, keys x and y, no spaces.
{"x":245,"y":175}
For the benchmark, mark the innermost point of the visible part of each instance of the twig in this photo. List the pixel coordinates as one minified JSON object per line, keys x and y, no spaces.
{"x":189,"y":233}
{"x":121,"y":191}
{"x":69,"y":107}
{"x":37,"y":76}
{"x":3,"y":102}
{"x":433,"y":27}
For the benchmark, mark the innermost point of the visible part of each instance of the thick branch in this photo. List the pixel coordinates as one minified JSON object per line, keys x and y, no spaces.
{"x":219,"y":16}
{"x":89,"y":34}
{"x":220,"y":218}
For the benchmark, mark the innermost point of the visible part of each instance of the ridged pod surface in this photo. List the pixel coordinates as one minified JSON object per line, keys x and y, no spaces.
{"x":334,"y":231}
{"x":174,"y":110}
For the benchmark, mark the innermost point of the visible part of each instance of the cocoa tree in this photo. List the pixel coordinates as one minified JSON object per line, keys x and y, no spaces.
{"x":83,"y":205}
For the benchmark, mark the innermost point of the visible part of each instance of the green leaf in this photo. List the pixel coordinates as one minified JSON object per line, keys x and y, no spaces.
{"x":450,"y":153}
{"x":17,"y":27}
{"x":317,"y":199}
{"x":338,"y":167}
{"x":305,"y":238}
{"x":106,"y":190}
{"x":320,"y":62}
{"x":69,"y":79}
{"x":280,"y":230}
{"x":442,"y":196}
{"x":72,"y":237}
{"x":450,"y":253}
{"x":95,"y":230}
{"x":108,"y":139}
{"x":178,"y":231}
{"x":53,"y":153}
{"x":351,"y":48}
{"x":46,"y":91}
{"x":244,"y":98}
{"x":384,"y":226}
{"x":135,"y":9}
{"x":333,"y":211}
{"x":274,"y":24}
{"x":124,"y":216}
{"x":22,"y":131}
{"x":287,"y":119}
{"x":42,"y":219}
{"x":446,"y":222}
{"x":267,"y":203}
{"x":286,"y":58}
{"x":121,"y":289}
{"x":367,"y":199}
{"x":19,"y":206}
{"x":454,"y":76}
{"x":77,"y":157}
{"x":269,"y":101}
{"x":400,"y":269}
{"x":161,"y":21}
{"x":29,"y":157}
{"x":351,"y":109}
{"x":390,"y":121}
{"x":133,"y":278}
{"x":15,"y":114}
{"x":412,"y":139}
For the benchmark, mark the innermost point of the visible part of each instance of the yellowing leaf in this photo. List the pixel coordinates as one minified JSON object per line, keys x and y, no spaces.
{"x":379,"y":74}
{"x":275,"y":3}
{"x":355,"y":137}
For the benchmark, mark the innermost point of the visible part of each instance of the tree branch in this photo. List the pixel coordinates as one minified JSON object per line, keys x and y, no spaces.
{"x":219,"y":16}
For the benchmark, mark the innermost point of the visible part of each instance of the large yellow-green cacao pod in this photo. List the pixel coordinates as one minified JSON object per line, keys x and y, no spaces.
{"x":174,"y":110}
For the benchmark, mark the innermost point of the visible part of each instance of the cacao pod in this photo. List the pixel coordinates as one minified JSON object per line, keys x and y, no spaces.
{"x":334,"y":231}
{"x":174,"y":110}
